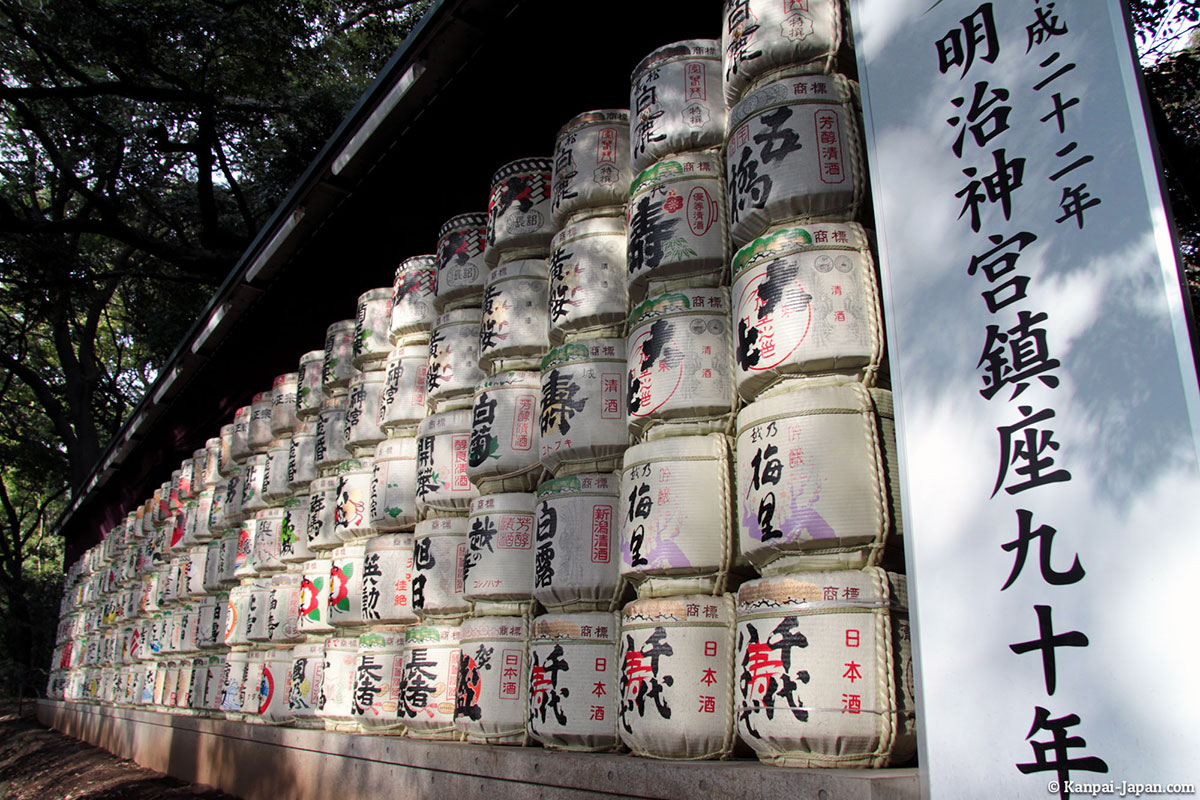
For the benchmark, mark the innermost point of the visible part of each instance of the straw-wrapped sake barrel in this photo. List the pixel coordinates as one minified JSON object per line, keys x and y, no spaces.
{"x":817,"y":478}
{"x":503,"y":454}
{"x":588,"y":266}
{"x":677,"y":235}
{"x":582,"y":421}
{"x":304,"y":683}
{"x":275,"y":475}
{"x":460,"y":262}
{"x":806,"y":302}
{"x":794,"y":152}
{"x":268,"y":540}
{"x":302,"y":458}
{"x":322,"y":505}
{"x":430,"y":679}
{"x":273,"y":694}
{"x":337,"y":365}
{"x":259,"y":434}
{"x":439,"y":554}
{"x":498,"y":571}
{"x":679,"y":367}
{"x":413,"y":291}
{"x":519,"y":207}
{"x":514,"y":329}
{"x":402,"y":399}
{"x":371,"y":327}
{"x":283,"y":614}
{"x":443,"y":486}
{"x":824,"y":669}
{"x":314,"y":596}
{"x":573,"y":688}
{"x":351,"y":514}
{"x":759,"y":36}
{"x":283,"y":403}
{"x":454,"y":359}
{"x":676,"y":516}
{"x":575,"y":563}
{"x":676,"y":101}
{"x":337,"y":684}
{"x":293,"y":531}
{"x":493,"y":680}
{"x":239,"y":442}
{"x":394,"y":486}
{"x":362,"y":408}
{"x":310,"y":390}
{"x":676,"y":682}
{"x":378,"y":672}
{"x":387,"y":572}
{"x":345,"y":585}
{"x":330,"y":448}
{"x":591,"y":163}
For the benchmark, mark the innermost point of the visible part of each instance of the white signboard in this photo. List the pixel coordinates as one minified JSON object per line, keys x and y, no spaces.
{"x":1046,"y":397}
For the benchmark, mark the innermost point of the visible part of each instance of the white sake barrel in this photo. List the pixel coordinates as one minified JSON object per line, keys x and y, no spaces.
{"x":197,"y":531}
{"x":387,"y":573}
{"x":273,"y":694}
{"x":310,"y":390}
{"x":454,"y":359}
{"x":677,"y":236}
{"x":293,"y":531}
{"x":236,"y":664}
{"x":212,"y":621}
{"x":443,"y":485}
{"x":257,"y":609}
{"x":591,"y":163}
{"x":498,"y":571}
{"x":304,"y":683}
{"x":185,"y":686}
{"x":429,"y":681}
{"x":582,"y":418}
{"x":337,"y":683}
{"x":362,"y":409}
{"x":322,"y":504}
{"x":314,"y":596}
{"x":252,"y":688}
{"x":439,"y":554}
{"x":676,"y":102}
{"x":394,"y":485}
{"x":214,"y":683}
{"x":166,"y":699}
{"x":268,"y":540}
{"x":337,"y":364}
{"x":345,"y":586}
{"x":275,"y":476}
{"x":371,"y":327}
{"x":259,"y":434}
{"x":573,"y":687}
{"x":185,"y":488}
{"x":243,"y":560}
{"x":588,"y":264}
{"x":188,"y":627}
{"x":229,"y":551}
{"x":283,"y":404}
{"x":575,"y":568}
{"x":679,"y":367}
{"x":302,"y":457}
{"x":759,"y":36}
{"x":794,"y":156}
{"x":239,"y":444}
{"x":402,"y":398}
{"x":503,"y":454}
{"x":330,"y":448}
{"x":676,"y":682}
{"x":283,"y":614}
{"x":378,"y":672}
{"x":817,"y":478}
{"x":235,"y":481}
{"x":216,"y":509}
{"x":493,"y":680}
{"x":519,"y":208}
{"x":676,"y":516}
{"x":351,"y":517}
{"x":411,"y":316}
{"x":461,"y":269}
{"x":824,"y":669}
{"x":193,"y":586}
{"x":514,"y":329}
{"x":806,"y":302}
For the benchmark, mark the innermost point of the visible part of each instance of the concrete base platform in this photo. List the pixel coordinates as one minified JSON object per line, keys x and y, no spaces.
{"x":258,"y":762}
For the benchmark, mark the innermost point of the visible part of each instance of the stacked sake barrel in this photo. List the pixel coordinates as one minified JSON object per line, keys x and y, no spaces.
{"x":822,"y":637}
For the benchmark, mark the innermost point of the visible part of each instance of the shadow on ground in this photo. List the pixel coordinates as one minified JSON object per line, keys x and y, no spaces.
{"x":41,"y":764}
